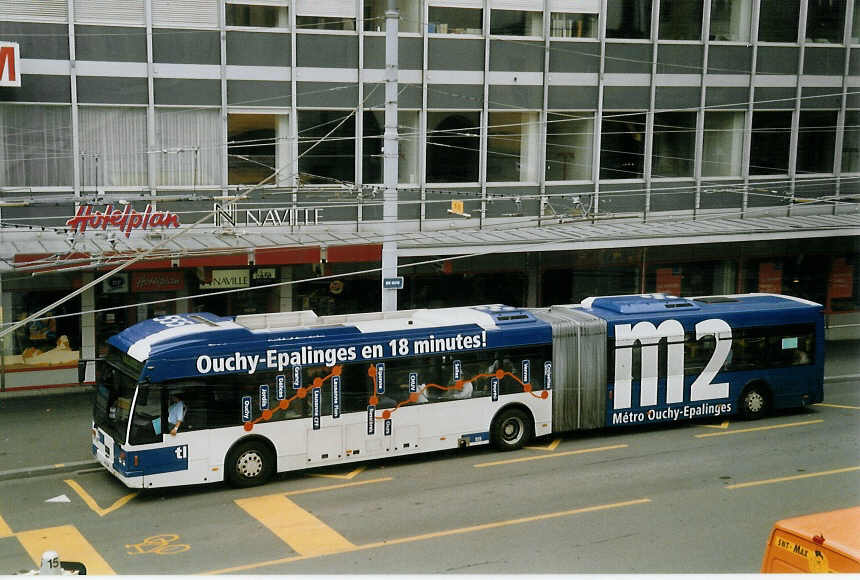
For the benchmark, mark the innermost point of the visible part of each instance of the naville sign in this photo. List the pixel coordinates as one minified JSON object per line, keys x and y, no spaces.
{"x":10,"y":64}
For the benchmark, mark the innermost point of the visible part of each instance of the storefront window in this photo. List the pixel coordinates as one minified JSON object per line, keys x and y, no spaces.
{"x":691,"y":278}
{"x":45,"y":342}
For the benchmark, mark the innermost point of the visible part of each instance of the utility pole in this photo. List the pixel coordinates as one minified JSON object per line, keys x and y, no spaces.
{"x":390,"y":159}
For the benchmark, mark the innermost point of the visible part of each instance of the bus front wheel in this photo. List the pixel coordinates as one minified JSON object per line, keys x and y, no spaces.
{"x":754,"y":402}
{"x":249,"y":464}
{"x":511,"y":430}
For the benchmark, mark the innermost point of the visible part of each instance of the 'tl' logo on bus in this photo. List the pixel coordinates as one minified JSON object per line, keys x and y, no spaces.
{"x":10,"y":64}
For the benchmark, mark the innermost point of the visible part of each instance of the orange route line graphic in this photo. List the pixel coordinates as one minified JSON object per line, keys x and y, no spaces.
{"x":336,"y":371}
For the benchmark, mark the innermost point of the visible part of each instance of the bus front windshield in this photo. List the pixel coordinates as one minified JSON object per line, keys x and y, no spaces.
{"x":115,"y":388}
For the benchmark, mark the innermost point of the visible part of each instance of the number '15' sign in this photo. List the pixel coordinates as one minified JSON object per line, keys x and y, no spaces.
{"x":649,"y":336}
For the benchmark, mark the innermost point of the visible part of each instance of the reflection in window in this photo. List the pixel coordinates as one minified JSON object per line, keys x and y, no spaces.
{"x":516,"y":23}
{"x":723,"y":143}
{"x":373,"y":164}
{"x":568,"y":25}
{"x":628,"y":19}
{"x":825,"y":21}
{"x":778,"y":20}
{"x":512,"y":147}
{"x":771,"y":134}
{"x":681,"y":20}
{"x":622,"y":146}
{"x":37,"y":141}
{"x":453,"y":144}
{"x":443,"y":20}
{"x":816,"y":141}
{"x":256,"y":147}
{"x":851,"y":143}
{"x":730,"y":20}
{"x":257,"y":16}
{"x":569,"y":146}
{"x":331,"y":160}
{"x":374,"y":15}
{"x":674,"y":144}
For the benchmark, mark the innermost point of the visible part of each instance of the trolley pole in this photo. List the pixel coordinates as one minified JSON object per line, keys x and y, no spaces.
{"x":390,"y":159}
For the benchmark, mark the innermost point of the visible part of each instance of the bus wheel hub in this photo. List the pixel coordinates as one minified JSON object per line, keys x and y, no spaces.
{"x":250,"y":464}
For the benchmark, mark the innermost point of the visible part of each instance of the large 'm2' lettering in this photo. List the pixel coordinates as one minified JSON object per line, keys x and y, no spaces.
{"x":649,"y":336}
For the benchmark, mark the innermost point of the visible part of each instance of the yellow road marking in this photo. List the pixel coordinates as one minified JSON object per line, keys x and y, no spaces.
{"x":331,"y":487}
{"x":68,"y":542}
{"x":723,"y":425}
{"x":550,"y":447}
{"x":751,"y":429}
{"x":792,"y":477}
{"x":349,"y":475}
{"x":92,"y":503}
{"x":5,"y":530}
{"x":300,"y":529}
{"x":562,"y":454}
{"x":835,"y":406}
{"x":444,"y":533}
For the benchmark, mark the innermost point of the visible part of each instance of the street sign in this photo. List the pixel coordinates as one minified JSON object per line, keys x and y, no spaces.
{"x":393,"y":283}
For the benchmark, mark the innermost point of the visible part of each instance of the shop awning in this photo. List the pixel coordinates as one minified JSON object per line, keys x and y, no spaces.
{"x":28,"y":250}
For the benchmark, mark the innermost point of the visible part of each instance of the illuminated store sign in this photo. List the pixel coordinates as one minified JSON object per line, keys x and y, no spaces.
{"x":125,"y":220}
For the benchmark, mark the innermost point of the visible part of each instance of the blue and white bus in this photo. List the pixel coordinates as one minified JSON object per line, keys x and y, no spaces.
{"x":276,"y":392}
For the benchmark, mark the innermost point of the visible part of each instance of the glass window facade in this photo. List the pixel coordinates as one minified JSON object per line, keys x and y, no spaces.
{"x":444,"y":20}
{"x":681,"y":20}
{"x":778,"y":20}
{"x":569,"y":146}
{"x":628,"y":18}
{"x":769,"y":145}
{"x":730,"y":20}
{"x":622,"y":145}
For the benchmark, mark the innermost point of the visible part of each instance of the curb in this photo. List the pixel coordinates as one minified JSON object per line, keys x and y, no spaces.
{"x":48,"y":469}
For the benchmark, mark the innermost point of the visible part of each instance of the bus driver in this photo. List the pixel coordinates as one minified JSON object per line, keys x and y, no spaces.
{"x":176,"y":412}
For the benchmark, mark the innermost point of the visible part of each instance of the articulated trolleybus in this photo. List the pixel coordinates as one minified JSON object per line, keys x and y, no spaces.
{"x":275,"y":392}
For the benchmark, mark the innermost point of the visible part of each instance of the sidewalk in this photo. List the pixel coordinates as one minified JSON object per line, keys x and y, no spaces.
{"x":50,"y":433}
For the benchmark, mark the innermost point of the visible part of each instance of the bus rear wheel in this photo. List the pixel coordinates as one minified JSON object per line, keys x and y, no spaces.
{"x":249,"y":464}
{"x":754,"y":402}
{"x":511,"y":430}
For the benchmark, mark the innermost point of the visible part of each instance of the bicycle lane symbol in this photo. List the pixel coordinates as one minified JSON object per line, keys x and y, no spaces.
{"x":161,"y":545}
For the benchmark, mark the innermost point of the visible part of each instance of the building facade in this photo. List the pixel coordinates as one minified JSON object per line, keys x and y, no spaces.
{"x":548,"y":150}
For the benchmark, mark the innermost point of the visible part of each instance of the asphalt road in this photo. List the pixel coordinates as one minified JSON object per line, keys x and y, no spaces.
{"x":694,"y":498}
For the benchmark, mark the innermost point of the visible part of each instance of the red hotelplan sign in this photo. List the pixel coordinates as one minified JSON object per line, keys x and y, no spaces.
{"x":125,"y":220}
{"x":10,"y":64}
